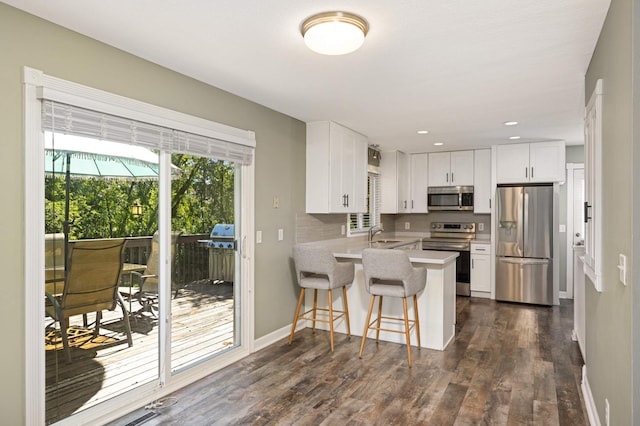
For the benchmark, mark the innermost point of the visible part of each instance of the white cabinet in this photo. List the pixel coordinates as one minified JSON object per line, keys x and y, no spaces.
{"x":482,"y":181}
{"x":336,"y":169}
{"x":451,"y":168}
{"x":418,"y":183}
{"x":394,"y":178}
{"x":534,"y":162}
{"x":480,"y":268}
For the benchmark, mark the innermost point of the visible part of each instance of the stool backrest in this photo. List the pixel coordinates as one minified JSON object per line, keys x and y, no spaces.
{"x":392,"y":265}
{"x":313,"y":259}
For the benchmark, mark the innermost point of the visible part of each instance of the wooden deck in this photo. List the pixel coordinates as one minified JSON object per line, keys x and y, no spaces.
{"x":105,"y":366}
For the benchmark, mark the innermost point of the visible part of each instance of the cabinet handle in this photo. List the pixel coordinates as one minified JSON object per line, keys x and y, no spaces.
{"x":489,"y":202}
{"x":347,"y":200}
{"x":447,"y":177}
{"x":526,"y":172}
{"x":531,"y":172}
{"x":411,"y":203}
{"x":472,"y":264}
{"x":587,"y":218}
{"x":405,"y":204}
{"x":452,"y":180}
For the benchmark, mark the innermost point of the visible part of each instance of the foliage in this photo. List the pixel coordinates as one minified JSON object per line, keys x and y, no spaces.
{"x":202,"y":196}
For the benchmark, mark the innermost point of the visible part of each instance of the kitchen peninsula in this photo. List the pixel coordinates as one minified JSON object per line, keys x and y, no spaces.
{"x":436,"y":304}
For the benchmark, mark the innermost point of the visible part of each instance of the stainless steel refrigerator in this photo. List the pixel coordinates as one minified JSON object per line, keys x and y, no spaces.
{"x":524,"y":244}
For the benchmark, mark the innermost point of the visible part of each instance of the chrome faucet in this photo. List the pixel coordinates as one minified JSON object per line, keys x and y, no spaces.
{"x":374,"y":230}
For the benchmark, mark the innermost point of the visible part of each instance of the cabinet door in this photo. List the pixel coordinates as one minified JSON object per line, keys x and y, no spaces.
{"x":547,"y":162}
{"x":403,"y":182}
{"x":340,"y":155}
{"x":480,"y":273}
{"x":389,"y":183}
{"x":482,"y":181}
{"x":359,"y":204}
{"x":419,"y":183}
{"x":439,"y":169}
{"x":512,"y":163}
{"x":461,"y":172}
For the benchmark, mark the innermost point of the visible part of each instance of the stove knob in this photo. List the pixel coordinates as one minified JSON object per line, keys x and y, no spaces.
{"x":433,"y":225}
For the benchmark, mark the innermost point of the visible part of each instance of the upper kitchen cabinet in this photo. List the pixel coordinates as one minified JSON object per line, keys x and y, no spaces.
{"x":533,"y":162}
{"x":418,"y":183}
{"x":482,"y":181}
{"x":336,"y":169}
{"x":451,"y":168}
{"x":394,"y":178}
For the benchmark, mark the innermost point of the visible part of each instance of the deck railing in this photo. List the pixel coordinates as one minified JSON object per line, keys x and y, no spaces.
{"x":192,"y":257}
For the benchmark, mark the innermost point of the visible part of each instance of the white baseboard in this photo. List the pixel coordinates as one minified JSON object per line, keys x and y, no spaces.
{"x":592,"y":411}
{"x":276,"y":335}
{"x":563,"y":295}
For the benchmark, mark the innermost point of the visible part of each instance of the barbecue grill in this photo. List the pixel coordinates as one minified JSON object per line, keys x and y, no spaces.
{"x":221,"y":244}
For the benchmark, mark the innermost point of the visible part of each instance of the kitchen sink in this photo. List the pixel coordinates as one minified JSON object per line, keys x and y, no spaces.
{"x":383,"y":243}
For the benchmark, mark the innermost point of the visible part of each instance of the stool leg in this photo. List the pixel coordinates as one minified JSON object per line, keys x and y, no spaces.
{"x":379,"y":320}
{"x":415,"y":313}
{"x":331,"y":318}
{"x":366,"y":325}
{"x":406,"y":328}
{"x":297,"y":314}
{"x":346,"y":310}
{"x":315,"y":308}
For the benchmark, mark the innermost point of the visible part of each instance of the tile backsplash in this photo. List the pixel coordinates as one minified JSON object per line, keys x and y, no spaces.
{"x":316,"y":227}
{"x":422,"y":222}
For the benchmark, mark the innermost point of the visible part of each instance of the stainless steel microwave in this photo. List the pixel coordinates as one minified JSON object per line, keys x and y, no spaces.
{"x":456,"y":198}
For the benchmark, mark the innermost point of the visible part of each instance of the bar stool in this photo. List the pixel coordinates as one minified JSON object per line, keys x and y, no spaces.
{"x":318,"y":269}
{"x":390,"y":273}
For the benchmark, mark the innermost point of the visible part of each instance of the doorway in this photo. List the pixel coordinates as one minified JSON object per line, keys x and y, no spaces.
{"x":575,"y":219}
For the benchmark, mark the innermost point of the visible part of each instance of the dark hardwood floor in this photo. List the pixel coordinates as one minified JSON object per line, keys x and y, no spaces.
{"x":510,"y":364}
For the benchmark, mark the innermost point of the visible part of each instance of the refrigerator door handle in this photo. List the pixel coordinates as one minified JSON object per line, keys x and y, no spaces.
{"x":523,"y":261}
{"x":525,"y":220}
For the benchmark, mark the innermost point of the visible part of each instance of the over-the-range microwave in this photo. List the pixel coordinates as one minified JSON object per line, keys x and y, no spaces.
{"x":455,"y":198}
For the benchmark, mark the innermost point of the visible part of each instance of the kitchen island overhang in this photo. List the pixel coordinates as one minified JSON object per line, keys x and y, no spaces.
{"x":436,"y":303}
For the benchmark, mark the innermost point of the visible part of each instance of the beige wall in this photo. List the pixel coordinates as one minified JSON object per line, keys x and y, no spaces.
{"x":26,"y":40}
{"x":610,"y":314}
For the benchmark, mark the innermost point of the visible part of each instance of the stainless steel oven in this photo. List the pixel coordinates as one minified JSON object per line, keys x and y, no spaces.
{"x":456,"y":237}
{"x":456,"y":198}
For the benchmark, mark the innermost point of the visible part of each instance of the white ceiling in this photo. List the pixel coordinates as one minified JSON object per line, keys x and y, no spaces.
{"x":459,"y":68}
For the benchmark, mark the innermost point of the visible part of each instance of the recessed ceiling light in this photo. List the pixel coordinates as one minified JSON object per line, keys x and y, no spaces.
{"x":439,"y":143}
{"x":334,"y":33}
{"x":423,"y":132}
{"x":510,"y":123}
{"x":514,"y":137}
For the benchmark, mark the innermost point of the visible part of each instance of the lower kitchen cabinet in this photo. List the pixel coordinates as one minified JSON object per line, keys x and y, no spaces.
{"x":480,"y":269}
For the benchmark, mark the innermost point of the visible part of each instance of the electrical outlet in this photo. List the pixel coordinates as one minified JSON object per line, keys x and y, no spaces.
{"x":407,"y":225}
{"x":343,"y":230}
{"x":276,"y":202}
{"x":280,"y":234}
{"x":607,"y":412}
{"x":480,"y":226}
{"x":258,"y":237}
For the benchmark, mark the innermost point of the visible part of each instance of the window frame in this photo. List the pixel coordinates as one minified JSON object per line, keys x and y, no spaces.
{"x":373,"y":192}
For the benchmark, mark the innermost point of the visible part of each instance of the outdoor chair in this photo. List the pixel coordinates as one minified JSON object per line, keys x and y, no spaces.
{"x":148,"y":279}
{"x":91,"y":285}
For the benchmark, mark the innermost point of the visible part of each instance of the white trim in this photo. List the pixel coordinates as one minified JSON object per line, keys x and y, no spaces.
{"x":36,"y":83}
{"x":33,"y":253}
{"x":277,"y":335}
{"x":592,"y":410}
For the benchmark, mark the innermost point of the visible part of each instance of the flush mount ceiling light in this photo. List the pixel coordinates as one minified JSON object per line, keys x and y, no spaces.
{"x":513,"y":138}
{"x":334,"y":33}
{"x":423,"y":132}
{"x":510,"y":123}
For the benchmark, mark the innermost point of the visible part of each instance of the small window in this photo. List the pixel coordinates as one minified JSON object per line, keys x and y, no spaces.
{"x":361,"y":222}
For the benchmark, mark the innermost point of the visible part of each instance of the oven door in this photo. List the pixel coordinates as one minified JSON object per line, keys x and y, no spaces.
{"x":463,"y":262}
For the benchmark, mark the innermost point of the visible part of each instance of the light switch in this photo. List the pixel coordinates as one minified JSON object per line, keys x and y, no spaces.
{"x":280,"y":234}
{"x":258,"y":237}
{"x":276,"y":202}
{"x":343,"y":230}
{"x":622,"y":268}
{"x":563,"y":228}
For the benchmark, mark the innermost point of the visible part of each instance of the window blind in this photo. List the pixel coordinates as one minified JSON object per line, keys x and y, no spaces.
{"x":68,"y":119}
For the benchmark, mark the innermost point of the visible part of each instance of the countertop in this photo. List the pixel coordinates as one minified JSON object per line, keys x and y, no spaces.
{"x":351,"y":248}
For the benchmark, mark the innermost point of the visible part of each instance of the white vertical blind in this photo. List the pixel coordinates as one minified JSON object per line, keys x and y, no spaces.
{"x":68,"y":119}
